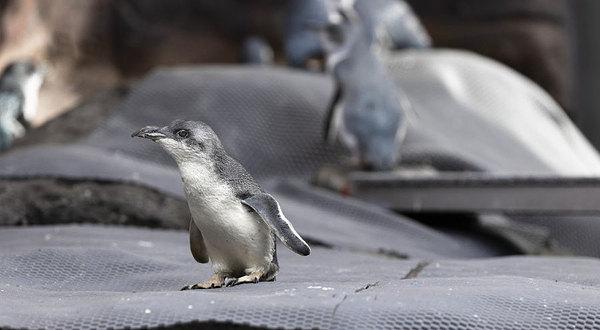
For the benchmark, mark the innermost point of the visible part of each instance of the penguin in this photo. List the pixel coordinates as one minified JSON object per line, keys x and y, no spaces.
{"x":234,"y":221}
{"x":393,"y":24}
{"x":366,"y":114}
{"x":390,"y":24}
{"x":300,"y":43}
{"x":19,"y":93}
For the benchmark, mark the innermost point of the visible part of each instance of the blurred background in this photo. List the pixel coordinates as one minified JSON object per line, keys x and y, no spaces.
{"x":91,"y":45}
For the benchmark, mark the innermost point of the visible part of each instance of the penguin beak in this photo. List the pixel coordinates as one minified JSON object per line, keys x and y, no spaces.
{"x":150,"y":132}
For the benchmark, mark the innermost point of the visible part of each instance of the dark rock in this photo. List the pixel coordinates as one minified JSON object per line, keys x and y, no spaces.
{"x":54,"y":201}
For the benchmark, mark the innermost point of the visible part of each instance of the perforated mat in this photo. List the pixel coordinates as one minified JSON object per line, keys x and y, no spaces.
{"x":85,"y":277}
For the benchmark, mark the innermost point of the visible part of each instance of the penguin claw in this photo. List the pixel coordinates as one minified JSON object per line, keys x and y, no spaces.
{"x":210,"y":284}
{"x":230,"y":281}
{"x":218,"y":282}
{"x":247,"y":279}
{"x":190,"y":287}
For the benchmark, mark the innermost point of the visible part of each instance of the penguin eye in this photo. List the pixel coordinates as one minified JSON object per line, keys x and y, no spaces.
{"x":183,"y":133}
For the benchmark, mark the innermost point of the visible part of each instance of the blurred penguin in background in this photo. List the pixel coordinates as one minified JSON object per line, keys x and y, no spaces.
{"x":366,"y":114}
{"x":299,"y":42}
{"x":391,"y":23}
{"x":256,"y":50}
{"x":19,"y":92}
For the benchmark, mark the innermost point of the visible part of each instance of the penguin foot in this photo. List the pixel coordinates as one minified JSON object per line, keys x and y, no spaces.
{"x":229,"y":281}
{"x":215,"y":281}
{"x":253,"y":277}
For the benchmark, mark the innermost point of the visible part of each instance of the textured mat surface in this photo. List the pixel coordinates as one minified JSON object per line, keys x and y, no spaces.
{"x":88,"y":277}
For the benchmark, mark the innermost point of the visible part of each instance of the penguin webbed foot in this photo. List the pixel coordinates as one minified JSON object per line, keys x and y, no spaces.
{"x":218,"y":281}
{"x":253,"y":277}
{"x":214,"y":282}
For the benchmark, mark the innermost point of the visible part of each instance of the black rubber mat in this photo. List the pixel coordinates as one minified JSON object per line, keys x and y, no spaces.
{"x":90,"y":277}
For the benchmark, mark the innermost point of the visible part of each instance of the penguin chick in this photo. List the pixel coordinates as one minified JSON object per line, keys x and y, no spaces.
{"x":234,"y":222}
{"x":19,"y":92}
{"x":366,"y":114}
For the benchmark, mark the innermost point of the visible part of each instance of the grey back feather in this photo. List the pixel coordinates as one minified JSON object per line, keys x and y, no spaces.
{"x":235,"y":175}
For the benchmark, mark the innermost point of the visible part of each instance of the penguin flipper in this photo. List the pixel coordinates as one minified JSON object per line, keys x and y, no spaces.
{"x":197,"y":244}
{"x":330,"y":122}
{"x":268,"y":209}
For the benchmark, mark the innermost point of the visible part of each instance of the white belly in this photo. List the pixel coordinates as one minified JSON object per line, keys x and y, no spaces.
{"x":237,"y":241}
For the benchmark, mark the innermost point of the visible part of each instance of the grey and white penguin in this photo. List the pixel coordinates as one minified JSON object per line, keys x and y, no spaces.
{"x":234,"y":222}
{"x":19,"y":93}
{"x":390,"y":23}
{"x":366,"y":114}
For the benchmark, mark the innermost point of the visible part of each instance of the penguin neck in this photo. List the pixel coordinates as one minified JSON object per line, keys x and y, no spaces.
{"x":199,"y":180}
{"x":362,"y":68}
{"x":201,"y":177}
{"x":349,"y":54}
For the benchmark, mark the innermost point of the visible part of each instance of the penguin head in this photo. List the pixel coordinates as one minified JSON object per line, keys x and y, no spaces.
{"x":380,"y":154}
{"x":184,"y":140}
{"x":25,"y":75}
